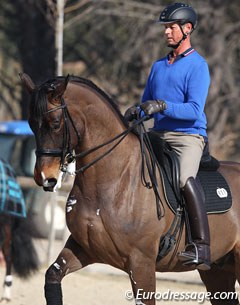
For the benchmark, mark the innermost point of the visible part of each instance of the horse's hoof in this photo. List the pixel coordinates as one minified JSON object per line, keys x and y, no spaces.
{"x":4,"y":300}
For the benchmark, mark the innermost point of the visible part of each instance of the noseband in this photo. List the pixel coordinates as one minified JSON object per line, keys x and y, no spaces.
{"x":66,"y":152}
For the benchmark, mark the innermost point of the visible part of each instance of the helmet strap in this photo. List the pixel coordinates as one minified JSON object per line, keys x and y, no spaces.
{"x":175,"y":46}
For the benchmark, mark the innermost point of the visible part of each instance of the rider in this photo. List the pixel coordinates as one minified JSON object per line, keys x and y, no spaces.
{"x":175,"y":95}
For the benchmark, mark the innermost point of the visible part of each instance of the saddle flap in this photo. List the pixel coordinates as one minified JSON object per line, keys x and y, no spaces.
{"x":167,"y":160}
{"x":215,"y":189}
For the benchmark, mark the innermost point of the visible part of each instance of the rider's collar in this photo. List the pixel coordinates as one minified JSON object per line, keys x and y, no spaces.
{"x":184,"y":54}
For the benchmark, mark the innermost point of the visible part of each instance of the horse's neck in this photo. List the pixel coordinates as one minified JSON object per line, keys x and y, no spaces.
{"x":113,"y":179}
{"x":101,"y":123}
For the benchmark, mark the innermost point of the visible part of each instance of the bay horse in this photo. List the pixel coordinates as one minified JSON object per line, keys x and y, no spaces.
{"x":111,"y":214}
{"x":16,"y":242}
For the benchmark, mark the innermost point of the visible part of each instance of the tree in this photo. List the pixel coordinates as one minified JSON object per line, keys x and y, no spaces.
{"x":120,"y":40}
{"x":115,"y":43}
{"x":26,"y":27}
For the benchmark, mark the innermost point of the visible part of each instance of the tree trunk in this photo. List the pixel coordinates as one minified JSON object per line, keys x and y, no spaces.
{"x":36,"y":47}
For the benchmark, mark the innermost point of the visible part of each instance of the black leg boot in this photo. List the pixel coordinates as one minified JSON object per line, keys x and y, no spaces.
{"x":198,"y":252}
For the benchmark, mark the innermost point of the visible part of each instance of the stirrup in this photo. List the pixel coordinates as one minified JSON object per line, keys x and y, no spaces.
{"x":189,"y":261}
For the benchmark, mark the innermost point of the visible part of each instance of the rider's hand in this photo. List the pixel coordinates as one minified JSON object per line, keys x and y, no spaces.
{"x":151,"y":107}
{"x":131,"y":113}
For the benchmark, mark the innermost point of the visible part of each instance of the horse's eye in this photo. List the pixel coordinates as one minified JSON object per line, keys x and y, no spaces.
{"x":55,"y":125}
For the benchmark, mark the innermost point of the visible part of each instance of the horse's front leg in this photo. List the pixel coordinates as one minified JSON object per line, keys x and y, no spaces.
{"x":143,"y":279}
{"x":70,"y":259}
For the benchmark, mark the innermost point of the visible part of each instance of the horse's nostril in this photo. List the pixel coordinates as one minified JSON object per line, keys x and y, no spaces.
{"x":52,"y":181}
{"x":48,"y":184}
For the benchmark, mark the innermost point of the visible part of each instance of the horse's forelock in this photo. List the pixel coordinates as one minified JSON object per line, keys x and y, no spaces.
{"x":40,"y":97}
{"x":39,"y":102}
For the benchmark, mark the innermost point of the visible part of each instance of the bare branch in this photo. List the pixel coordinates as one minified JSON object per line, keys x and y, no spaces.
{"x":76,"y":6}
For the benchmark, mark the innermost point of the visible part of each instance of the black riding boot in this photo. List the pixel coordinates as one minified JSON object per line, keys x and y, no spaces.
{"x":198,"y":252}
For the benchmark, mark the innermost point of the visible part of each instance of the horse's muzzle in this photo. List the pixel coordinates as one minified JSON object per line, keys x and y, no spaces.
{"x":49,"y":184}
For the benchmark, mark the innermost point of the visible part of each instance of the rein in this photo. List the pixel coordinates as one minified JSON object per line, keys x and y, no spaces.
{"x":147,"y":159}
{"x":122,"y":135}
{"x":68,"y":156}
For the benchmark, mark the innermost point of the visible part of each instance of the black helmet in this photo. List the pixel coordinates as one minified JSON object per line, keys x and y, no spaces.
{"x":180,"y":13}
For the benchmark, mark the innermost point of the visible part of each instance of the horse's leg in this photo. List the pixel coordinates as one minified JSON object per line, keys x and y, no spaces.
{"x":236,"y":253}
{"x":143,"y":279}
{"x":220,"y":282}
{"x":70,"y":259}
{"x":7,"y":253}
{"x":7,"y":285}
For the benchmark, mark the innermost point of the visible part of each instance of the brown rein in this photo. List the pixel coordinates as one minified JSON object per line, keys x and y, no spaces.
{"x":68,"y":156}
{"x":122,"y":135}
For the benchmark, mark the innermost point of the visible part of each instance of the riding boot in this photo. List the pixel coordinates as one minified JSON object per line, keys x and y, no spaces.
{"x":198,"y":251}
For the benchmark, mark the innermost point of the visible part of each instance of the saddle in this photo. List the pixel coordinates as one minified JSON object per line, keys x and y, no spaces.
{"x":212,"y":184}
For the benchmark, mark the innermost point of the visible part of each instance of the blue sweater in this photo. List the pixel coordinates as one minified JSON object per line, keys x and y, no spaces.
{"x":184,"y":86}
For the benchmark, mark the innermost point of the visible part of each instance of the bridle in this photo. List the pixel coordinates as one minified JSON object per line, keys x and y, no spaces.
{"x":68,"y":155}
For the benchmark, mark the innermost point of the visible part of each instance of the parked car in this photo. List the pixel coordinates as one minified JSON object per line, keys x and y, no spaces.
{"x":17,"y":146}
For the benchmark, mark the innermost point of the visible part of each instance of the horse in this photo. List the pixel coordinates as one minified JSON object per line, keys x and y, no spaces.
{"x":16,"y":241}
{"x":111,"y":212}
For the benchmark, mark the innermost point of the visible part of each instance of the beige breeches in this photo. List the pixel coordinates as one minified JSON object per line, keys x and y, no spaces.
{"x":189,"y":149}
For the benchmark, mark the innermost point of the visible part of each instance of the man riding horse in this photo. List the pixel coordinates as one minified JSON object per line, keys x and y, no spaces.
{"x":175,"y":96}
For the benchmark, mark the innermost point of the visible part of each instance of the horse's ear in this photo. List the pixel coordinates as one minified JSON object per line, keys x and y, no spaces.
{"x":27,"y":82}
{"x":61,"y":87}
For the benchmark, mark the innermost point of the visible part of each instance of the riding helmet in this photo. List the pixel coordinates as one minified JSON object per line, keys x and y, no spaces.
{"x":180,"y":13}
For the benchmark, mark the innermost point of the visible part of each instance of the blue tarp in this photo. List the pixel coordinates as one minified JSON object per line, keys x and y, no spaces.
{"x":11,"y":196}
{"x":15,"y":128}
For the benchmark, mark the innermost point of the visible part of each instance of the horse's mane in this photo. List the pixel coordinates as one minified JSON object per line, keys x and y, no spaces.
{"x":40,"y":97}
{"x":92,"y":85}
